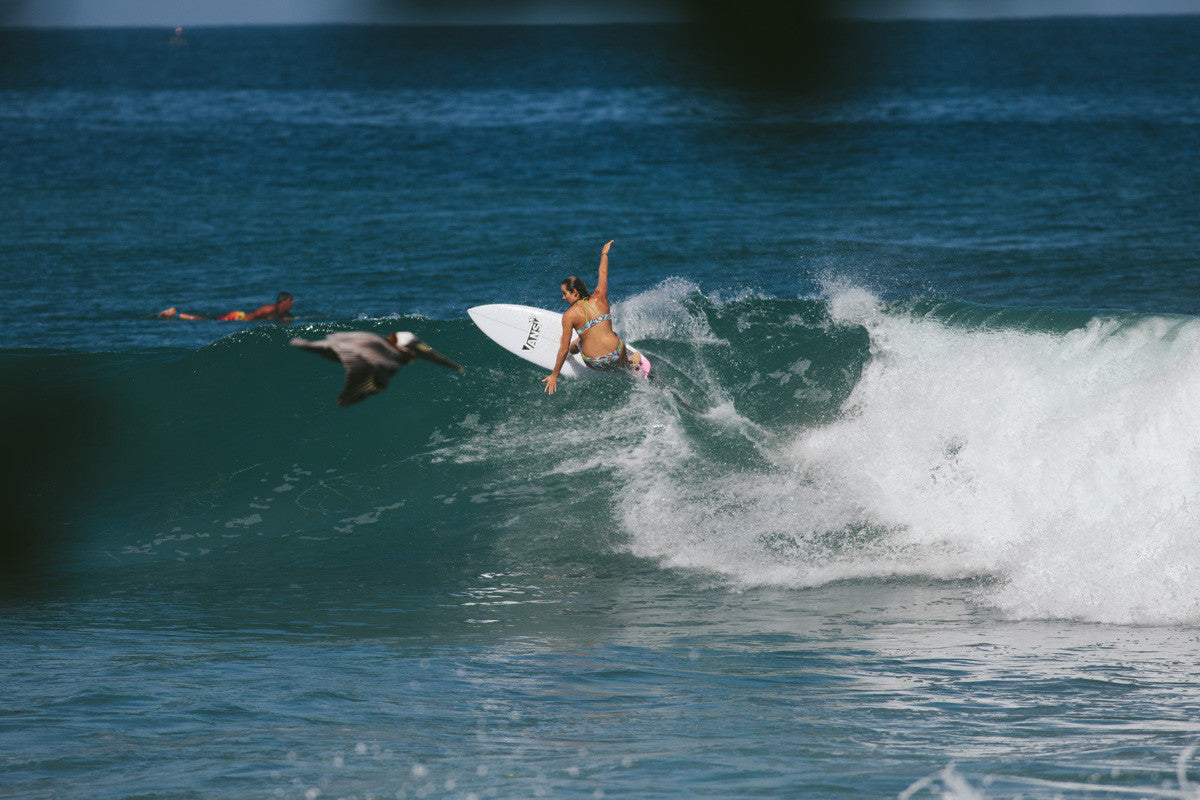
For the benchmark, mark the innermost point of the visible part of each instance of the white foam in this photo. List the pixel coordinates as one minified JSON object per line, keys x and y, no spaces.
{"x":659,"y":313}
{"x":1063,"y":466}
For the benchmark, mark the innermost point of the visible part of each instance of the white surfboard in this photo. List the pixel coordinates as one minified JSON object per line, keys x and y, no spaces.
{"x":533,"y":334}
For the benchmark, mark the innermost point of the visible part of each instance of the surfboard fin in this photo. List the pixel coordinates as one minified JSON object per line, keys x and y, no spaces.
{"x":650,"y":376}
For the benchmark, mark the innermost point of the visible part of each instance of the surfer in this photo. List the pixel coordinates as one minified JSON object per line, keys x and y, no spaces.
{"x":280,"y":311}
{"x":598,"y":343}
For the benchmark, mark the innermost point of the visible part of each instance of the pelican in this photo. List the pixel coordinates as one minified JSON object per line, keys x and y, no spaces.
{"x":370,"y":359}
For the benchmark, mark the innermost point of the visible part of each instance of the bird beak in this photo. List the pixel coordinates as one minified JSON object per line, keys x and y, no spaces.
{"x":422,"y":350}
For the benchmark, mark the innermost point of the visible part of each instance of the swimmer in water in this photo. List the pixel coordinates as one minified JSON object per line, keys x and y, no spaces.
{"x":279,"y":311}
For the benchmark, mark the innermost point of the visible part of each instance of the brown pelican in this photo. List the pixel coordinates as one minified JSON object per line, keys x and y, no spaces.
{"x":370,"y":359}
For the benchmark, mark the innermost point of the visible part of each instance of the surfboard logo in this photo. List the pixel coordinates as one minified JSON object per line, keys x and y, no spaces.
{"x":535,"y":330}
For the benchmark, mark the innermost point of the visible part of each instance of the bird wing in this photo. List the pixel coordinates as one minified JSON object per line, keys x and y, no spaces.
{"x":320,"y":347}
{"x":370,"y":363}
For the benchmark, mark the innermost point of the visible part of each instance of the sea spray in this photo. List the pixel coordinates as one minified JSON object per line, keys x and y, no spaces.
{"x":1056,"y":461}
{"x":1061,"y":463}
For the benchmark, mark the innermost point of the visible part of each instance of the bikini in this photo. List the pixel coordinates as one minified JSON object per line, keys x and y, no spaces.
{"x":609,"y":360}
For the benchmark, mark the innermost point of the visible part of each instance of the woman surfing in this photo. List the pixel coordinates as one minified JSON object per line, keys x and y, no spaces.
{"x":598,"y":344}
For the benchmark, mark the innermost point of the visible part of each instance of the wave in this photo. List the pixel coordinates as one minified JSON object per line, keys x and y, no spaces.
{"x":1045,"y":457}
{"x":1049,"y":454}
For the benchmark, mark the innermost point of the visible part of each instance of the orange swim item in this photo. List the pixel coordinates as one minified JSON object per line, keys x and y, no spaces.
{"x":234,"y":315}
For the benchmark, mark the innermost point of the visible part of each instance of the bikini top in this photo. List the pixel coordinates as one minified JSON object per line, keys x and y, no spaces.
{"x":587,"y":310}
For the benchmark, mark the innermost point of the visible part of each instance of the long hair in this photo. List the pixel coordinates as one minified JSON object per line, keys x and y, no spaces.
{"x":578,"y":286}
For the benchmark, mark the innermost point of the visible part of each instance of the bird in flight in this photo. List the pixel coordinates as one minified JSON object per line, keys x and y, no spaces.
{"x":370,"y":359}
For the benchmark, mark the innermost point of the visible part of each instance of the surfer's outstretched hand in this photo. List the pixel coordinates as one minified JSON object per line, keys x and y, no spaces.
{"x":551,"y":382}
{"x":605,"y":250}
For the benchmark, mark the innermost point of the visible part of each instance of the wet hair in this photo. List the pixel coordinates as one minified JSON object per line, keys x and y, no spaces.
{"x":282,"y":296}
{"x":577,"y":286}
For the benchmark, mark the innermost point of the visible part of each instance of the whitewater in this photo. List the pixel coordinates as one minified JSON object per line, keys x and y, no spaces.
{"x":1052,"y":461}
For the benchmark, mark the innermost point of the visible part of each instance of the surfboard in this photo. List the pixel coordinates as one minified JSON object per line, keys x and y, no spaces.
{"x":533,"y":334}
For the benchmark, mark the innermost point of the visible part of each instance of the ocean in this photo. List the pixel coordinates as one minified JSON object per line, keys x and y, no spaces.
{"x":911,"y":512}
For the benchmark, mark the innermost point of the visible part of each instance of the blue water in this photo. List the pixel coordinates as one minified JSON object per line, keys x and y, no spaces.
{"x":911,"y":513}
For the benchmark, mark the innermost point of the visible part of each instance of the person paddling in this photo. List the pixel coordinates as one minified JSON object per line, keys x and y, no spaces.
{"x":280,"y":311}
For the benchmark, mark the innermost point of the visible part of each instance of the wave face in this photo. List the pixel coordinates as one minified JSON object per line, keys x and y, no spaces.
{"x":1046,"y":456}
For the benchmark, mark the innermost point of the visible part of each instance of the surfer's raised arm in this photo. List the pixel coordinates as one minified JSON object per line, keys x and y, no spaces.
{"x":601,"y":292}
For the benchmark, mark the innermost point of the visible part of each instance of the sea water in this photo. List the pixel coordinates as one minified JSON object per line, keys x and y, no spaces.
{"x":911,"y":511}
